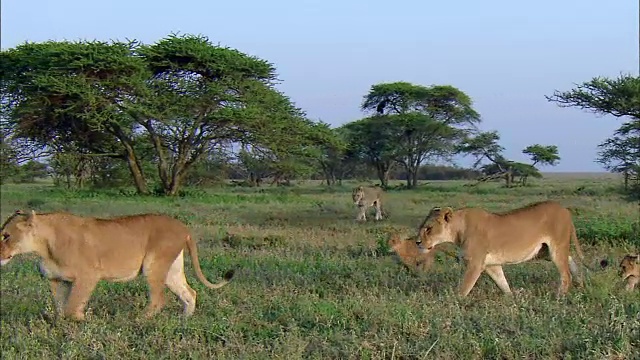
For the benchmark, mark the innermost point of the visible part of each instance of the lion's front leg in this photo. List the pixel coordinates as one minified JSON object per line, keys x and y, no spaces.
{"x":60,"y":291}
{"x":78,"y":297}
{"x":362,"y":213}
{"x":471,"y":275}
{"x":631,"y":283}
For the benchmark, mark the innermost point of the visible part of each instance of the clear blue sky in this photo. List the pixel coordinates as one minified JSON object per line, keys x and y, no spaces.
{"x":505,"y":54}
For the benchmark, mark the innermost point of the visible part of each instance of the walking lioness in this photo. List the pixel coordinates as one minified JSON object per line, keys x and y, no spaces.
{"x":488,"y":240}
{"x":76,"y":252}
{"x":365,"y":197}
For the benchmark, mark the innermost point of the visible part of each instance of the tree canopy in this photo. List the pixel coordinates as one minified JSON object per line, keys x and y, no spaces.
{"x":182,"y":94}
{"x":619,"y":97}
{"x":410,"y":124}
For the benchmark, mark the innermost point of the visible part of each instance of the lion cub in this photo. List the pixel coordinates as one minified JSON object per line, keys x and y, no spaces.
{"x":77,"y":252}
{"x":630,"y":270}
{"x":409,"y":254}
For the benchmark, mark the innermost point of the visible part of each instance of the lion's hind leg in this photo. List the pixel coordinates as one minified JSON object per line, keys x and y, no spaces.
{"x":575,"y":272}
{"x":378,"y":207}
{"x":560,"y":257}
{"x":497,"y":275}
{"x":155,"y":270}
{"x":177,"y":283}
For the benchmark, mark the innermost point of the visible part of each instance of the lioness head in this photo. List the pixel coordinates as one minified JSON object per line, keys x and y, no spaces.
{"x":357,"y":194}
{"x":630,"y":266}
{"x":436,"y":228}
{"x":18,"y":236}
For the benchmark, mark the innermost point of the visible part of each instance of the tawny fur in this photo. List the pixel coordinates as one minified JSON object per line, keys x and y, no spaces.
{"x":630,"y":270}
{"x":409,"y":254}
{"x":542,"y":230}
{"x":365,"y":197}
{"x":77,"y":252}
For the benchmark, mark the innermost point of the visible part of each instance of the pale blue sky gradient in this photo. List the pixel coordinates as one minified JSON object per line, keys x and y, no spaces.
{"x":505,"y":54}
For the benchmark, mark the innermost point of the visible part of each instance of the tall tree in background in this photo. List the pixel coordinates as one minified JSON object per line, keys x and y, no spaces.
{"x":485,"y":146}
{"x":184,"y":95}
{"x":371,"y":139}
{"x":621,"y":153}
{"x":619,"y":97}
{"x":420,"y":123}
{"x":70,"y":95}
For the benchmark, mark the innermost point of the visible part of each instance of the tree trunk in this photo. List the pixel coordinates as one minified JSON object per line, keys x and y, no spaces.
{"x":383,"y":174}
{"x":508,"y":177}
{"x":176,"y":182}
{"x":136,"y":171}
{"x":626,"y":180}
{"x":414,"y":178}
{"x":132,"y":160}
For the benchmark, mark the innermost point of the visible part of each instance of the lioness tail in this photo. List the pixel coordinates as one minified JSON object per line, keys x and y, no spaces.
{"x":193,"y":250}
{"x":574,"y":238}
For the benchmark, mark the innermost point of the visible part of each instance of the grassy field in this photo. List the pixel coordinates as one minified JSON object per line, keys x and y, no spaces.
{"x":312,"y":283}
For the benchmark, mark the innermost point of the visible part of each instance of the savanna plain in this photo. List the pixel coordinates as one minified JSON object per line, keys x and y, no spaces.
{"x":311,"y":282}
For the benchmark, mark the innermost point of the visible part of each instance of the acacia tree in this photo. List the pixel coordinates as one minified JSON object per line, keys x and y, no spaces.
{"x":371,"y":139}
{"x":68,"y":95}
{"x":183,"y":94}
{"x":422,"y":123}
{"x":612,"y":96}
{"x":621,"y":153}
{"x":541,"y":155}
{"x":485,"y":146}
{"x":617,"y":97}
{"x":202,"y":96}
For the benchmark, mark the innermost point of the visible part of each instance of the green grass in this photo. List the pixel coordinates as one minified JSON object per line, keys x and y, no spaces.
{"x":312,"y":283}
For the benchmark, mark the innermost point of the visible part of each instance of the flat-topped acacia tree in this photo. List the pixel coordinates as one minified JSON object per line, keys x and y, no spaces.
{"x":183,"y":94}
{"x":410,"y":124}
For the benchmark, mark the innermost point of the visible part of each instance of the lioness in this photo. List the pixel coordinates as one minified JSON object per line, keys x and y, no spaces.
{"x":489,"y":240}
{"x":76,"y":252}
{"x":365,"y":197}
{"x":630,"y":270}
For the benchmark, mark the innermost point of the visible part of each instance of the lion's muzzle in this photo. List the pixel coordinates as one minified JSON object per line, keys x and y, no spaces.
{"x":6,"y":260}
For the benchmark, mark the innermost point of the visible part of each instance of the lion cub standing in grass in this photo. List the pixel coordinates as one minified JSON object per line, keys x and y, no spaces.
{"x":76,"y":252}
{"x":488,"y":240}
{"x":630,"y":270}
{"x":365,"y":197}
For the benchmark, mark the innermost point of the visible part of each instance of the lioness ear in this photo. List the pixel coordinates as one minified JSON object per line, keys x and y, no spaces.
{"x":447,"y":214}
{"x":638,"y":259}
{"x":19,"y":212}
{"x":434,"y":210}
{"x":32,"y":216}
